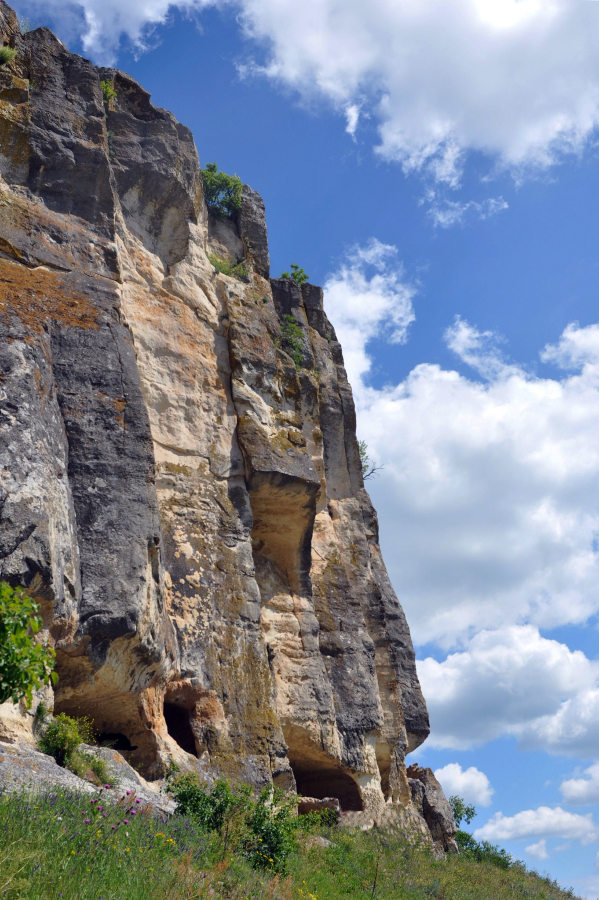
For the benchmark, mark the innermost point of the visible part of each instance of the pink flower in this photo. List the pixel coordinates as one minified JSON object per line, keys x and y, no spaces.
{"x":87,"y":821}
{"x":138,"y":800}
{"x":125,"y":821}
{"x":100,"y":808}
{"x":107,"y":786}
{"x":113,"y":827}
{"x":127,"y":792}
{"x":132,"y":811}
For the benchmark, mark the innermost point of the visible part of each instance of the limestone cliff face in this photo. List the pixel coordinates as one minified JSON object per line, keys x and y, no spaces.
{"x":184,"y":498}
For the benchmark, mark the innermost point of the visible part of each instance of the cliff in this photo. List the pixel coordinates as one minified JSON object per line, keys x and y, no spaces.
{"x":184,"y":499}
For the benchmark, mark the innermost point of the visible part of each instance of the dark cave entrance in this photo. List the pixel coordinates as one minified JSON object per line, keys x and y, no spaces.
{"x":115,"y":741}
{"x":328,"y":782}
{"x":318,"y":775}
{"x":179,"y":727}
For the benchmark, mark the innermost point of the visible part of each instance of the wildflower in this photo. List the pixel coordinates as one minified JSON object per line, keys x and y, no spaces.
{"x":161,"y":834}
{"x":127,"y":792}
{"x":100,"y":808}
{"x":87,"y":821}
{"x":133,"y":812}
{"x":113,"y":827}
{"x":125,"y":821}
{"x":107,"y":786}
{"x":138,"y":800}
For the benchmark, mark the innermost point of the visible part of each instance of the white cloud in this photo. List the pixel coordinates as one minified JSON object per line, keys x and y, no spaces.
{"x":573,"y":729}
{"x":366,"y":294}
{"x":471,"y":784}
{"x":544,"y":822}
{"x":518,"y":79}
{"x":446,"y":212}
{"x":538,"y":850}
{"x":505,"y":682}
{"x":582,"y":791}
{"x":488,"y":492}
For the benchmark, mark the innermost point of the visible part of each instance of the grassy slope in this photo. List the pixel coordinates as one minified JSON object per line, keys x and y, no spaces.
{"x":63,"y":845}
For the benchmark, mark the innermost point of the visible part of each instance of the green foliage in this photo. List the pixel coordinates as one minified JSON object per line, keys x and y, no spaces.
{"x":25,"y":664}
{"x":7,"y":54}
{"x":222,"y":192}
{"x":483,"y":851}
{"x":293,"y":339}
{"x":63,"y":736}
{"x":271,"y":829}
{"x":84,"y":764}
{"x":222,"y":265}
{"x":60,"y":843}
{"x":263,"y":830}
{"x":369,"y":467}
{"x":461,"y":811}
{"x":297,"y":274}
{"x":108,"y":91}
{"x":211,"y":808}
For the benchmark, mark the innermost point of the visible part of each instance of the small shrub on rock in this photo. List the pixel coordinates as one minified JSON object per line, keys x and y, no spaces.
{"x":7,"y":54}
{"x":62,"y":737}
{"x":222,"y":265}
{"x":297,"y":274}
{"x":222,"y":192}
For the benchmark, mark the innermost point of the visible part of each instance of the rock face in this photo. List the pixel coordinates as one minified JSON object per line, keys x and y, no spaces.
{"x":180,"y":482}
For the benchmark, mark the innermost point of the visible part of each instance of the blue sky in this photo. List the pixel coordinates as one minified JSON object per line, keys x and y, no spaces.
{"x":434,"y":164}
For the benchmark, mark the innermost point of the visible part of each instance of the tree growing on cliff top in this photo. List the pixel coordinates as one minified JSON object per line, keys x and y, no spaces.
{"x":222,"y":192}
{"x":25,"y":664}
{"x":297,"y":274}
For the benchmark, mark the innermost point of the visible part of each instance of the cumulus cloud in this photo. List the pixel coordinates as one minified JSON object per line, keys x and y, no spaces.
{"x":544,"y":822}
{"x":367,"y":293}
{"x":572,"y":730}
{"x":584,"y":790}
{"x":471,"y":784}
{"x":505,"y":682}
{"x":488,"y":492}
{"x":538,"y":850}
{"x":517,"y":79}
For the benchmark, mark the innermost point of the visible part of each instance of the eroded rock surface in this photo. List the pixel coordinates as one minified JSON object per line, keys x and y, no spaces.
{"x":180,"y":482}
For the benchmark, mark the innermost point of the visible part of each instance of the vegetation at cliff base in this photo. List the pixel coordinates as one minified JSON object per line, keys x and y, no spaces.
{"x":222,"y":192}
{"x":65,"y":845}
{"x":25,"y":664}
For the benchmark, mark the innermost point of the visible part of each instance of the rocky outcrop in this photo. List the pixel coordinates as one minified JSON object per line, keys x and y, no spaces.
{"x":430,"y":801}
{"x":180,"y":482}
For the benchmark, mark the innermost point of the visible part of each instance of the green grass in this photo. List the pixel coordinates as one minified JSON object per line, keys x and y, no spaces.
{"x":222,"y":265}
{"x":63,"y":845}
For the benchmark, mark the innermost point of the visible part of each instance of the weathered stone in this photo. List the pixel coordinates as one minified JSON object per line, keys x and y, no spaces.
{"x":430,"y":801}
{"x":252,"y":230}
{"x":180,"y":481}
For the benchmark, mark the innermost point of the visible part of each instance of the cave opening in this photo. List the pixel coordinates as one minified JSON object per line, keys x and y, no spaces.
{"x":319,"y":775}
{"x":179,"y":727}
{"x":116,"y":741}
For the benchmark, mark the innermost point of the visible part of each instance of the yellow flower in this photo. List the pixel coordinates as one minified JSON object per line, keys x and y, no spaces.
{"x":159,"y":834}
